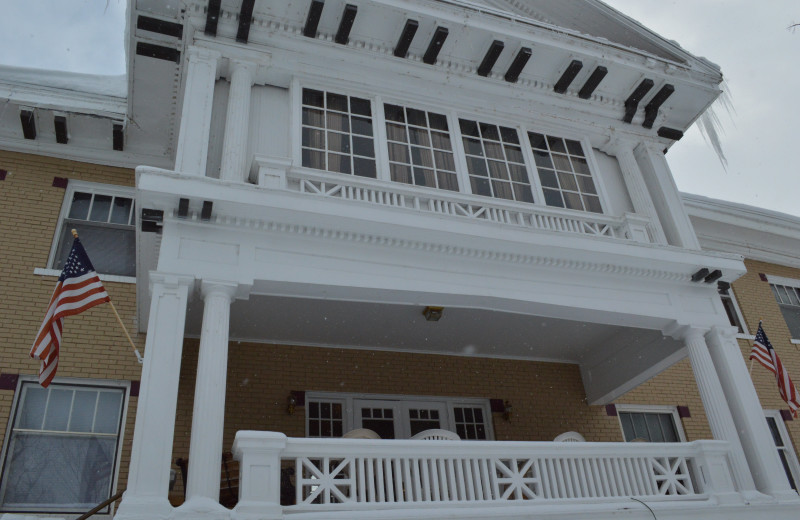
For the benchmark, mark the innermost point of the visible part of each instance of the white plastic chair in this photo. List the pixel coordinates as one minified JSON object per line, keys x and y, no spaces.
{"x":569,"y":437}
{"x":436,"y":435}
{"x":361,"y":433}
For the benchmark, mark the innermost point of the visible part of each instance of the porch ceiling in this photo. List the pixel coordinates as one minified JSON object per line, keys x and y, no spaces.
{"x":461,"y":331}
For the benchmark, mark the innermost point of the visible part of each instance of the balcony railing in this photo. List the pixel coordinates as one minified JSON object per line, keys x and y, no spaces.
{"x":352,"y":474}
{"x":446,"y":203}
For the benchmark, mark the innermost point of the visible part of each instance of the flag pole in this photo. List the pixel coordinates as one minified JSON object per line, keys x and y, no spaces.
{"x":119,"y":319}
{"x":752,"y":359}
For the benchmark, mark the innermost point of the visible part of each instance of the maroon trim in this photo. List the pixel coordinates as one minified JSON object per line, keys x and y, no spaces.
{"x":497,"y":405}
{"x":763,"y":277}
{"x":683,"y":412}
{"x":299,"y":397}
{"x":786,"y":415}
{"x":3,"y":174}
{"x":60,"y":182}
{"x":8,"y":381}
{"x":611,"y":410}
{"x":135,"y":388}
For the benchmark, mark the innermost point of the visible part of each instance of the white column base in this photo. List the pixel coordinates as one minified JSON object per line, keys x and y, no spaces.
{"x":202,"y":507}
{"x":144,"y":508}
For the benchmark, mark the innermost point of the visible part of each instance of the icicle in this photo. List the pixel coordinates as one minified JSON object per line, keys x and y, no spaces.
{"x":710,"y":126}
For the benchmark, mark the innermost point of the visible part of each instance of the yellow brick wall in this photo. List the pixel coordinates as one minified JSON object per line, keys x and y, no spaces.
{"x":93,"y":344}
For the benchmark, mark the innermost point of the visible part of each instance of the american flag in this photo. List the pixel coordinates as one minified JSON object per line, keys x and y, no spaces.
{"x":77,"y":290}
{"x":766,"y":355}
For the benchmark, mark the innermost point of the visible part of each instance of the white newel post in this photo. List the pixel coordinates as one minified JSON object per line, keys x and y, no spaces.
{"x":674,"y":219}
{"x":237,"y":120}
{"x":151,"y":454}
{"x":717,"y":411}
{"x":205,"y":449}
{"x":259,"y":456}
{"x":637,"y":189}
{"x":198,"y":99}
{"x":756,"y":439}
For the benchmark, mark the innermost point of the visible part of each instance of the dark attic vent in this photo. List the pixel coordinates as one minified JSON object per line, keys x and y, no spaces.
{"x":118,"y":137}
{"x":158,"y":52}
{"x":60,"y":123}
{"x":28,"y":121}
{"x":155,"y":25}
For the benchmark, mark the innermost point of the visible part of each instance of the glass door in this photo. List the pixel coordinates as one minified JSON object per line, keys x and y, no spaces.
{"x":382,"y":417}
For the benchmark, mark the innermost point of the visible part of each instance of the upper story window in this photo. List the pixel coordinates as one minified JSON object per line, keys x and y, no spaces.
{"x":104,"y":217}
{"x":337,"y":133}
{"x":731,"y":307}
{"x":62,"y":450}
{"x":494,"y":161}
{"x":564,"y":173}
{"x":788,"y":298}
{"x":420,"y":152}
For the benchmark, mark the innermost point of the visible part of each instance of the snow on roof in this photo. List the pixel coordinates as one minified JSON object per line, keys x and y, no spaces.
{"x":112,"y":86}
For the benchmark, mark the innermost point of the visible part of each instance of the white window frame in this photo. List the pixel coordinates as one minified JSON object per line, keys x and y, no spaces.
{"x":788,"y":447}
{"x":403,"y":401}
{"x":453,"y":115}
{"x":745,"y":334}
{"x":789,"y":282}
{"x":124,"y":386}
{"x":95,"y":189}
{"x":656,"y":409}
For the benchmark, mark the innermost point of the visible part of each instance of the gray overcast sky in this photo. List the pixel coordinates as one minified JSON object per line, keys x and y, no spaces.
{"x":759,"y":57}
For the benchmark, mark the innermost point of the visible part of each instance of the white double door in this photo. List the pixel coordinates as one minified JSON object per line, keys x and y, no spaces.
{"x":400,"y":419}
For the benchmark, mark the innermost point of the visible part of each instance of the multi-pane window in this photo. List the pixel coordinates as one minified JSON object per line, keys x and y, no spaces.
{"x":422,"y":419}
{"x":649,"y":426}
{"x":788,"y":298}
{"x":469,"y":422}
{"x":564,"y":173}
{"x":494,"y":161}
{"x":325,"y":419}
{"x":61,"y":454}
{"x":785,"y":452}
{"x":337,"y":133}
{"x":105,"y":219}
{"x":420,"y":152}
{"x":724,"y":290}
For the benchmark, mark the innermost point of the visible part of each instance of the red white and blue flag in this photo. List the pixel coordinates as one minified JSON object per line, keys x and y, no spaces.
{"x":78,"y":289}
{"x":766,"y":355}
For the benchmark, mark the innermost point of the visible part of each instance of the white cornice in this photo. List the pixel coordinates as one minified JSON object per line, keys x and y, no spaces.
{"x":754,"y":232}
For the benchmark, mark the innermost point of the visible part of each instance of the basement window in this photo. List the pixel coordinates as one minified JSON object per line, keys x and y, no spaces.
{"x":62,"y":450}
{"x":105,"y":219}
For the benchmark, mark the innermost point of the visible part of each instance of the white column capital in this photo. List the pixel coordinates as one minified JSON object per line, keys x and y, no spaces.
{"x":685,"y":332}
{"x":197,"y":54}
{"x":242,"y":65}
{"x":725,"y":332}
{"x":210,"y":288}
{"x":169,"y":281}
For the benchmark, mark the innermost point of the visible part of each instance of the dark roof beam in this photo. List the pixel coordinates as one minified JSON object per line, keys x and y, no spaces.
{"x":312,"y":20}
{"x":212,"y":17}
{"x":490,"y":58}
{"x":670,"y":133}
{"x":568,"y":77}
{"x":28,"y":120}
{"x":346,"y":24}
{"x":404,"y":42}
{"x":632,"y":103}
{"x":245,"y":19}
{"x":592,"y":83}
{"x":60,"y":124}
{"x":435,"y":46}
{"x":651,"y":109}
{"x":513,"y":72}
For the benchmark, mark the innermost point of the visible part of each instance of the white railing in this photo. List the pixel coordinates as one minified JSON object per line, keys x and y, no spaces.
{"x":269,"y":173}
{"x":354,"y":474}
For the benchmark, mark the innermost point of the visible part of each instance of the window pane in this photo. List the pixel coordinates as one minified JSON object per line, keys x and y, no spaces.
{"x":101,"y":206}
{"x":31,"y":416}
{"x":364,"y":167}
{"x":313,"y":97}
{"x":400,"y":173}
{"x":121,"y":210}
{"x":58,"y":408}
{"x":83,"y":411}
{"x":112,"y":250}
{"x":109,"y":407}
{"x":363,"y":146}
{"x":627,"y":426}
{"x":336,"y":102}
{"x":360,"y":106}
{"x":79,"y":209}
{"x":654,"y":428}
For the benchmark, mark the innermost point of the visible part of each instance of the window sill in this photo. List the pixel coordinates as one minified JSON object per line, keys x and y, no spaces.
{"x":103,"y":277}
{"x":795,"y":341}
{"x":748,"y":337}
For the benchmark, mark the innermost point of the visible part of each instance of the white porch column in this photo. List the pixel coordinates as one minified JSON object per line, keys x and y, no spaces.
{"x":756,"y":439}
{"x":198,"y":100}
{"x":205,"y":450}
{"x":234,"y":145}
{"x":719,"y":416}
{"x":666,"y":197}
{"x":148,"y":476}
{"x":637,"y":189}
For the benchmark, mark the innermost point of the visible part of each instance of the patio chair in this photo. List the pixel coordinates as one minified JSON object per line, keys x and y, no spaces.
{"x":437,"y":435}
{"x":361,"y":433}
{"x":569,"y":437}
